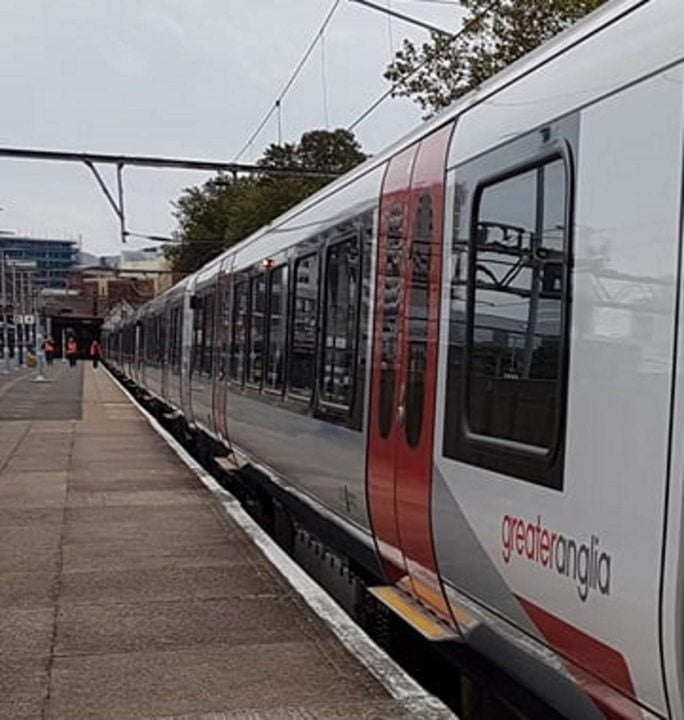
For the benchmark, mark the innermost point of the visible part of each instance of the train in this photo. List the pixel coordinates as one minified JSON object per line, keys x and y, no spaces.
{"x":464,"y":360}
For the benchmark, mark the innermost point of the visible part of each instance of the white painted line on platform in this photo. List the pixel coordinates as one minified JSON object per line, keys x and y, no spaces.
{"x":397,"y":681}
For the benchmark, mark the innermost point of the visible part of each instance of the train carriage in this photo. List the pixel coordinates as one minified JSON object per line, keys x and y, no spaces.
{"x":465,"y":354}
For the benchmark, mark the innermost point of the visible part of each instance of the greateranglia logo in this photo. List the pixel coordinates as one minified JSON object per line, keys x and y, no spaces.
{"x":584,"y":562}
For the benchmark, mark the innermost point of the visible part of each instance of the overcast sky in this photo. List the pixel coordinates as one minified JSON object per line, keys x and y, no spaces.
{"x":179,"y":78}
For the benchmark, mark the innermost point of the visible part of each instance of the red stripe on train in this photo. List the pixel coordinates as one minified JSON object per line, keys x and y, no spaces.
{"x":598,"y":668}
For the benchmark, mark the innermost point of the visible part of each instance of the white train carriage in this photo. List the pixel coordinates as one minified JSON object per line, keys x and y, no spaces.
{"x":467,"y":353}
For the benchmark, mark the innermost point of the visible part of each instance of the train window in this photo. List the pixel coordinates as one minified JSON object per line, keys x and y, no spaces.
{"x":240,"y":304}
{"x":304,"y":326}
{"x":140,"y":345}
{"x":162,"y":340}
{"x":208,"y":336}
{"x":176,"y":338}
{"x":341,"y":313}
{"x":199,"y":318}
{"x":170,"y":331}
{"x":257,"y":334}
{"x":223,"y":330}
{"x":515,"y":325}
{"x":390,"y":318}
{"x":507,"y":348}
{"x":418,"y":313}
{"x":275,"y":361}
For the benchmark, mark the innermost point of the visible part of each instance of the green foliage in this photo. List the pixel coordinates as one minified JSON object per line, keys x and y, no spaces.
{"x":225,"y":210}
{"x":493,"y":36}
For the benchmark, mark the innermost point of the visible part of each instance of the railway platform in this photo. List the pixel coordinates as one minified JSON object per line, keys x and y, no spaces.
{"x":127,"y":591}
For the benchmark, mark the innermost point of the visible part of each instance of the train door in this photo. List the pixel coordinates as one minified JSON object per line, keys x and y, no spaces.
{"x":400,"y":441}
{"x":139,"y":353}
{"x":166,"y":331}
{"x":220,"y":376}
{"x":186,"y":350}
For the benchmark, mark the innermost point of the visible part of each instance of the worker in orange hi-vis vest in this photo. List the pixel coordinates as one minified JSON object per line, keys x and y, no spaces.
{"x":95,"y":352}
{"x":71,"y":351}
{"x":49,"y":350}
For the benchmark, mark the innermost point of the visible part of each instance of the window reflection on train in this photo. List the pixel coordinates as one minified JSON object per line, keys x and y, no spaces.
{"x":514,"y":364}
{"x":510,"y":299}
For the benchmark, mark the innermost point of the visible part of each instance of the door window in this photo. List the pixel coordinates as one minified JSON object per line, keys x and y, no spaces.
{"x":390,"y":318}
{"x":341,"y":311}
{"x":417,"y":319}
{"x":304,"y":327}
{"x":275,"y":363}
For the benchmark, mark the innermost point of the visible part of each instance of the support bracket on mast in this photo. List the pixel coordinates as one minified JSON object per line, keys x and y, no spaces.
{"x":117,"y":206}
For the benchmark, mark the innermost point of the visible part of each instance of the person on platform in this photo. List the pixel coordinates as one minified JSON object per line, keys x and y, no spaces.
{"x":72,"y":351}
{"x":95,"y":352}
{"x":49,"y":350}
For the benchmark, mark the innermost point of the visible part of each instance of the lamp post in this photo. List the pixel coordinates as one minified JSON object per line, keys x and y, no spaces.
{"x":3,"y":300}
{"x":17,"y":319}
{"x":37,"y":332}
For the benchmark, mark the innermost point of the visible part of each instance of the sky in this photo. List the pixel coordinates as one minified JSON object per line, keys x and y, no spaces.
{"x":178,"y":78}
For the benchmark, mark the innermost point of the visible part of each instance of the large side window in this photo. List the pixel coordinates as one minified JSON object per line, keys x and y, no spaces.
{"x":257,"y":333}
{"x":177,"y":338}
{"x":518,"y":259}
{"x":275,"y":362}
{"x":302,"y":360}
{"x":506,"y":379}
{"x":207,"y":344}
{"x":237,"y":348}
{"x":223,"y":322}
{"x":340,"y":322}
{"x":162,"y":336}
{"x":198,"y":320}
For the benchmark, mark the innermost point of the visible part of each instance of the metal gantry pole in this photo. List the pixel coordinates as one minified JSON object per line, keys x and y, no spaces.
{"x":3,"y":298}
{"x":37,"y":336}
{"x":40,"y":355}
{"x":31,"y":330}
{"x":18,"y":355}
{"x":22,"y":311}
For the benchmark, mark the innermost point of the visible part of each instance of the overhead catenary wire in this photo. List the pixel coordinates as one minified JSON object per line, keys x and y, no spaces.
{"x":324,"y":81}
{"x":452,"y":3}
{"x":405,"y":18}
{"x":388,"y":93}
{"x":295,"y":74}
{"x":390,"y":33}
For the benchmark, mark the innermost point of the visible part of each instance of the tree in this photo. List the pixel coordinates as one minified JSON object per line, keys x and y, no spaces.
{"x":328,"y":151}
{"x":493,"y":36}
{"x":223,"y":211}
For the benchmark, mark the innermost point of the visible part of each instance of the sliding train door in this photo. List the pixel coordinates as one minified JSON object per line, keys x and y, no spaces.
{"x":186,"y":349}
{"x":405,"y":344}
{"x":221,"y":348}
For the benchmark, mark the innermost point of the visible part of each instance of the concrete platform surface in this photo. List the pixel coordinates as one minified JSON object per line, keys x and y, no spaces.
{"x":126,"y":592}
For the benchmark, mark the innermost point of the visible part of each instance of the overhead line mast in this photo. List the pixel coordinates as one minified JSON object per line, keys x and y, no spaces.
{"x":91,"y":160}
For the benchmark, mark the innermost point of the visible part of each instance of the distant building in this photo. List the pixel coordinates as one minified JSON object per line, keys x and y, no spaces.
{"x":137,"y":275}
{"x":54,"y":258}
{"x":149,"y":263}
{"x":95,"y":285}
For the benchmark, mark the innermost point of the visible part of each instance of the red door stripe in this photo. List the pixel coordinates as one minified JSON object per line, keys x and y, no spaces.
{"x":591,"y":662}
